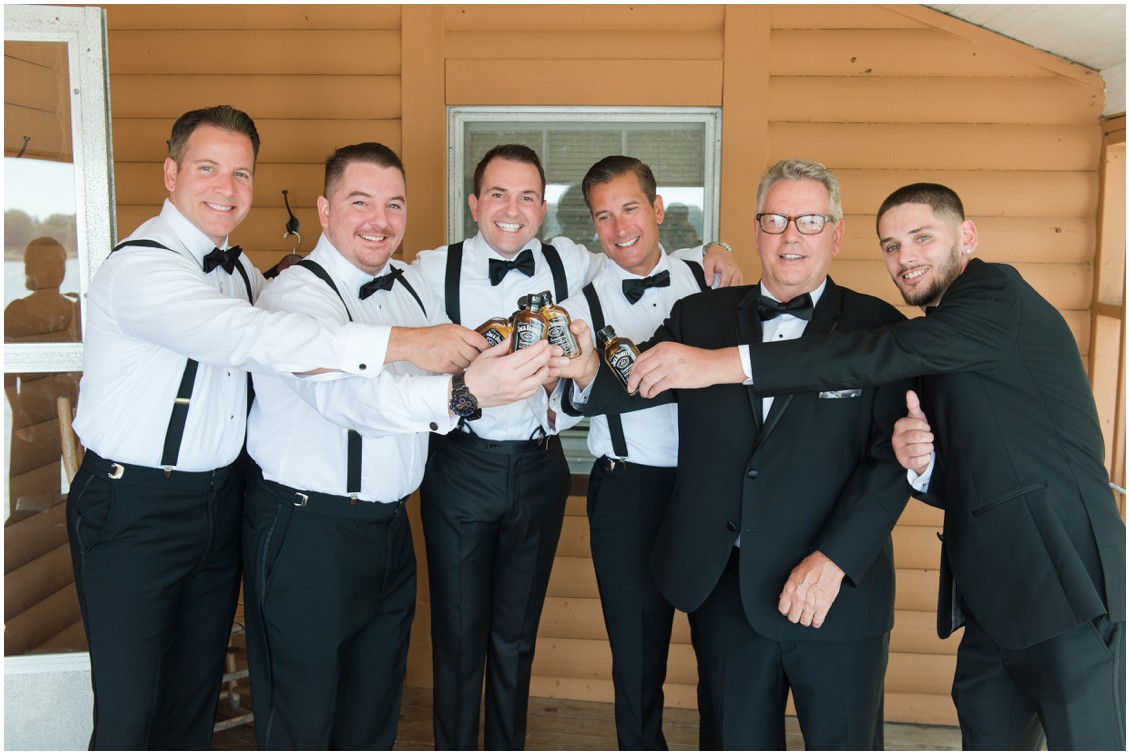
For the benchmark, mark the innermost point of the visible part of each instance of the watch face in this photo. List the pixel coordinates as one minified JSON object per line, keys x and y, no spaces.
{"x":463,"y":405}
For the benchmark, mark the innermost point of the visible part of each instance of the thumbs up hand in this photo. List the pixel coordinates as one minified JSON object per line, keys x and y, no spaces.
{"x":912,"y":439}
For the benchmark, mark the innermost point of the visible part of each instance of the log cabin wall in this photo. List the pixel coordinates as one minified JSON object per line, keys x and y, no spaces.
{"x":884,"y":95}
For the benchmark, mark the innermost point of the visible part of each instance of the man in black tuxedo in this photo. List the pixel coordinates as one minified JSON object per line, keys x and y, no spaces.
{"x":1034,"y":549}
{"x":777,"y":542}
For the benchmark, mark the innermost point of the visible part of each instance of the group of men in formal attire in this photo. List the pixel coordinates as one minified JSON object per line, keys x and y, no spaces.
{"x":752,"y":480}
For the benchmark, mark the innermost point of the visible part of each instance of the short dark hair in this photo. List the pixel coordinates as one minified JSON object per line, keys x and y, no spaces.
{"x":223,"y":117}
{"x":942,"y":200}
{"x":365,"y":152}
{"x":518,"y":153}
{"x":614,"y":166}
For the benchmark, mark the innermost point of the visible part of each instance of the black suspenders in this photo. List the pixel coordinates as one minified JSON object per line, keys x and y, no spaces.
{"x":560,"y":282}
{"x":455,"y":263}
{"x":699,"y":275}
{"x":451,"y":281}
{"x":174,"y":435}
{"x":615,"y":425}
{"x":353,"y":438}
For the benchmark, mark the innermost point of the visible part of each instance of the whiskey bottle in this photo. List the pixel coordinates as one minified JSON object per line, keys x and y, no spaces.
{"x":557,"y":326}
{"x":619,"y":353}
{"x":495,"y":330}
{"x":529,"y":325}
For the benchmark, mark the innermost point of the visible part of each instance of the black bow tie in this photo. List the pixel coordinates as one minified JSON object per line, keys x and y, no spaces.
{"x":524,"y":262}
{"x":380,"y":283}
{"x":634,"y":287}
{"x":221,"y":258}
{"x":800,"y":306}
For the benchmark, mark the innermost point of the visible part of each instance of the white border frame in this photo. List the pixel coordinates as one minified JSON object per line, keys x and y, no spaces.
{"x":458,"y":116}
{"x":83,"y":30}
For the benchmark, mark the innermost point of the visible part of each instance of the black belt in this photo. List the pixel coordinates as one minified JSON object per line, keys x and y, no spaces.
{"x":303,"y":498}
{"x":95,"y":464}
{"x":504,"y":446}
{"x":611,"y":463}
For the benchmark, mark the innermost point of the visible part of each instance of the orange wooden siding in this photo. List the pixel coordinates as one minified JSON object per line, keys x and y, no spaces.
{"x":884,"y":95}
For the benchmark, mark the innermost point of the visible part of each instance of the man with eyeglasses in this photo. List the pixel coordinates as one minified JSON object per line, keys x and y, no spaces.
{"x":1033,"y":558}
{"x":777,"y":541}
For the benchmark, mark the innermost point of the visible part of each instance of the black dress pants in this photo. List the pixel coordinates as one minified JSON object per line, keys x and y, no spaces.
{"x":626,"y":505}
{"x":492,"y":514}
{"x":329,"y":593}
{"x":1070,"y":687}
{"x":157,"y":564}
{"x":745,"y":679}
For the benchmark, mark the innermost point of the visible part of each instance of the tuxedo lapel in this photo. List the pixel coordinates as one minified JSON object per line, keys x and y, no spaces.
{"x":749,"y":331}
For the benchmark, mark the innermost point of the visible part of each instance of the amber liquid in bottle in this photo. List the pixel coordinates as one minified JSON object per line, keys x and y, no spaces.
{"x":529,"y":325}
{"x":619,"y":353}
{"x":557,"y":322}
{"x":495,"y":330}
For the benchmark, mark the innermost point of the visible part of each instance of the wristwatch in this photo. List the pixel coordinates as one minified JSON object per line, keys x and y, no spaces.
{"x":463,"y":403}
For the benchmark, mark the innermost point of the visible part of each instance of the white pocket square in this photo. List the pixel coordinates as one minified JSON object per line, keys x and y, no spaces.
{"x":845,"y":393}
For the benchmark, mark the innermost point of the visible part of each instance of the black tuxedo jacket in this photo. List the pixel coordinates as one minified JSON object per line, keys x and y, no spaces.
{"x":1032,"y":533}
{"x":818,"y":474}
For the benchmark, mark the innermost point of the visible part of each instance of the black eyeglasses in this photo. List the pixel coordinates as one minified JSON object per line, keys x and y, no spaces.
{"x":775,"y":224}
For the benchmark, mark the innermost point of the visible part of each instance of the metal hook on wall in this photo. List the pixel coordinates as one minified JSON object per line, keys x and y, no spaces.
{"x":24,"y":148}
{"x":292,"y":226}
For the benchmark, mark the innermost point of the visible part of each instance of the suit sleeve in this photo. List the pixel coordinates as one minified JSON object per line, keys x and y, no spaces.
{"x":972,"y":330}
{"x":608,"y":395}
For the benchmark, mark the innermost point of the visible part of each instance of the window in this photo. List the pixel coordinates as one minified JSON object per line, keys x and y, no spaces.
{"x":58,"y":225}
{"x":682,"y":146}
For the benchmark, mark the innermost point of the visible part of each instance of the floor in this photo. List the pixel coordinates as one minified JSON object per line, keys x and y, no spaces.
{"x":580,"y":726}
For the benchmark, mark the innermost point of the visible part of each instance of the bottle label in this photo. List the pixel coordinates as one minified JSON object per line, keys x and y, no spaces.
{"x":559,"y":335}
{"x":621,"y":362}
{"x":493,"y":336}
{"x":527,"y":333}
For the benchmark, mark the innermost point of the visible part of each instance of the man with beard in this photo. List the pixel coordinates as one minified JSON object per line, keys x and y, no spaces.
{"x":1033,"y":553}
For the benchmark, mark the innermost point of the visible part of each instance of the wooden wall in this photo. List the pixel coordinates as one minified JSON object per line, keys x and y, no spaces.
{"x":884,"y":95}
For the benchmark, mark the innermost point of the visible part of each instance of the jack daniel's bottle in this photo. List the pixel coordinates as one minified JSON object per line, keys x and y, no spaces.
{"x":619,"y":353}
{"x":529,"y":325}
{"x":495,"y":330}
{"x":557,"y":323}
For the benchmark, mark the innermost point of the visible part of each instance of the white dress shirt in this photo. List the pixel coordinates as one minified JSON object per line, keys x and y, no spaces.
{"x":298,"y":428}
{"x":479,"y":301}
{"x":651,"y":435}
{"x":783,"y":327}
{"x":148,"y":309}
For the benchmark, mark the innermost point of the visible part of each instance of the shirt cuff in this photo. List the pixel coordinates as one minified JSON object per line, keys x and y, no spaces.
{"x":921,"y":482}
{"x":365,"y":349}
{"x":438,"y":401}
{"x":580,"y":396}
{"x":747,"y":365}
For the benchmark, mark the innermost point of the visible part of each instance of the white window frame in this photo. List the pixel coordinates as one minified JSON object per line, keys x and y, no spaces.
{"x":459,"y":116}
{"x":83,"y":30}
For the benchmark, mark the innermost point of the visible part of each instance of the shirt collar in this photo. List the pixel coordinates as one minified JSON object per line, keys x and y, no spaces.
{"x":815,"y":293}
{"x":194,"y":239}
{"x":327,"y":255}
{"x":622,"y":274}
{"x":478,"y":248}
